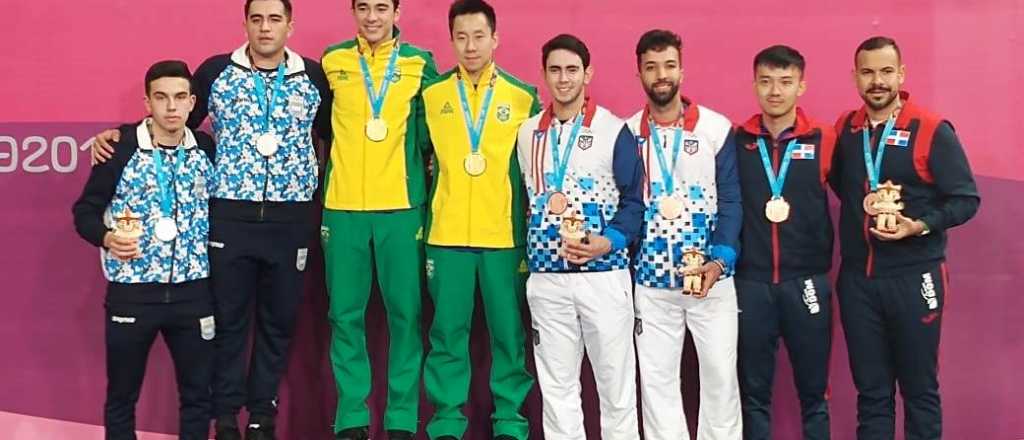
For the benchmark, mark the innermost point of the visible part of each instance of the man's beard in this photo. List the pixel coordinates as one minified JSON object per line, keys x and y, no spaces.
{"x":875,"y":106}
{"x":660,"y":99}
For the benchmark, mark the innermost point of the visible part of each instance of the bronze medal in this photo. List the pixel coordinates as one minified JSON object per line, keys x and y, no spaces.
{"x":869,"y":203}
{"x":777,"y":210}
{"x":558,"y":203}
{"x":670,"y":207}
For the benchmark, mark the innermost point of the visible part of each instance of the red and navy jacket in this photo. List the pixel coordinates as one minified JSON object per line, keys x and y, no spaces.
{"x":801,"y":245}
{"x":925,"y":157}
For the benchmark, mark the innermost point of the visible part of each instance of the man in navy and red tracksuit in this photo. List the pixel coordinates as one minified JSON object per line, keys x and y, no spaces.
{"x":892,"y":285}
{"x":782,"y":275}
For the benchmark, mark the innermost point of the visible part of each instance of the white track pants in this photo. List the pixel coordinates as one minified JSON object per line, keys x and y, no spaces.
{"x":665,"y":315}
{"x":577,"y":311}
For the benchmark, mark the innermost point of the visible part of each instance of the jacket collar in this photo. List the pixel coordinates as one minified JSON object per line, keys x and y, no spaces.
{"x":293,"y":61}
{"x":802,"y":127}
{"x":691,"y":115}
{"x":145,"y":138}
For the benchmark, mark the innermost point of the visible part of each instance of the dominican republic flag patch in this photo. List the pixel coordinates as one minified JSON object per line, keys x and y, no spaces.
{"x":898,"y":138}
{"x":803,"y":151}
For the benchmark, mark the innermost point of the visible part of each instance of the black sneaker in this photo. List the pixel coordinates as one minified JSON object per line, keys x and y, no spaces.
{"x":260,"y":428}
{"x":395,"y":434}
{"x":226,"y":428}
{"x":358,"y":433}
{"x":504,"y":437}
{"x":446,"y":437}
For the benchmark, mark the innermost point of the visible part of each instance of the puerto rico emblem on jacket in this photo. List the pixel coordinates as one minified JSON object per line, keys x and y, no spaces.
{"x":690,"y":146}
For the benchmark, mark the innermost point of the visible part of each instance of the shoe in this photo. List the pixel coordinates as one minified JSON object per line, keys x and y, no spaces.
{"x":504,"y":437}
{"x":226,"y":428}
{"x":260,"y":428}
{"x":357,"y":433}
{"x":446,"y":437}
{"x":395,"y":434}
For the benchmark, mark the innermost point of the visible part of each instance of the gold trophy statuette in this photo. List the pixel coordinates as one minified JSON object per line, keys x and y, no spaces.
{"x":693,"y":259}
{"x":888,"y":206}
{"x":128,"y":224}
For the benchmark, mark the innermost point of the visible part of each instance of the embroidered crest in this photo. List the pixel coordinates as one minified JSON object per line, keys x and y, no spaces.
{"x":447,"y":109}
{"x":690,"y":146}
{"x":585,"y":142}
{"x":504,"y":112}
{"x":396,"y":76}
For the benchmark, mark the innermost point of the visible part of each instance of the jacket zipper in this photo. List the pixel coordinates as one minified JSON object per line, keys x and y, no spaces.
{"x":174,"y":243}
{"x":775,"y":226}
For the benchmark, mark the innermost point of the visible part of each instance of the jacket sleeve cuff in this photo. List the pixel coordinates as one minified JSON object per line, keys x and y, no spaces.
{"x":617,"y":238}
{"x":96,"y":234}
{"x":725,"y":253}
{"x":932,"y":222}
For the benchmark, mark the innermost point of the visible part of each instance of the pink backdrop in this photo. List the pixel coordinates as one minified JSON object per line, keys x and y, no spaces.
{"x":74,"y":67}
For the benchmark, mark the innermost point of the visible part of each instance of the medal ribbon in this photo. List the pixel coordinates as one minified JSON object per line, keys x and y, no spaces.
{"x":874,"y":165}
{"x":562,"y":164}
{"x":266,"y":100}
{"x":666,"y":172}
{"x":776,"y":182}
{"x":476,"y":130}
{"x":377,"y":98}
{"x":162,"y":180}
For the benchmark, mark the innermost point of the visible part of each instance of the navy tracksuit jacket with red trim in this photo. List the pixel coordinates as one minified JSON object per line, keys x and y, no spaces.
{"x":802,"y":245}
{"x":938,"y":189}
{"x":782,"y":284}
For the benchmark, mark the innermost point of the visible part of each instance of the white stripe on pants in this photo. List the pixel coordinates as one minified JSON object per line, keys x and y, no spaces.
{"x":665,"y":315}
{"x":573,"y":311}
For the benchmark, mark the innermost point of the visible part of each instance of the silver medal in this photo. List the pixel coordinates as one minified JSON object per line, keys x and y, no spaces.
{"x":267,"y":144}
{"x":166,"y":229}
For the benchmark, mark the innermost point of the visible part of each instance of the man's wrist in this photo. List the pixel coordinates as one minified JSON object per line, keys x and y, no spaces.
{"x":720,"y":263}
{"x":924,"y":229}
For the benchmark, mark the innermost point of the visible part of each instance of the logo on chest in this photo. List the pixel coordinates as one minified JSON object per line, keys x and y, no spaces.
{"x":586,"y":141}
{"x":447,"y":109}
{"x":296,"y":106}
{"x":691,"y":146}
{"x":898,"y":138}
{"x":504,"y":112}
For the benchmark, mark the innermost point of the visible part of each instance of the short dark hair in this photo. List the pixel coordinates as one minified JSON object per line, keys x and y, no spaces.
{"x":657,"y":40}
{"x":875,"y":43}
{"x":287,"y":7}
{"x":394,"y":3}
{"x":168,"y":69}
{"x":780,"y":56}
{"x":566,"y":42}
{"x":468,"y":7}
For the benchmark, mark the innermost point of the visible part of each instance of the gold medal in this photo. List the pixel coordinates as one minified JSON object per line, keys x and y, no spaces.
{"x":670,"y":207}
{"x":376,"y":129}
{"x":475,"y":164}
{"x":869,"y":203}
{"x":777,"y":210}
{"x":558,"y":203}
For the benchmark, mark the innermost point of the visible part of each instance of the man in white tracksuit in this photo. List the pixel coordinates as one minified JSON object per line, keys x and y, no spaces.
{"x":580,"y":162}
{"x":693,"y":204}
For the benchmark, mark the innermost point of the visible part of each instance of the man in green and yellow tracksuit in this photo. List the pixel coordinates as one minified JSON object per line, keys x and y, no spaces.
{"x":373,"y":213}
{"x":475,"y":227}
